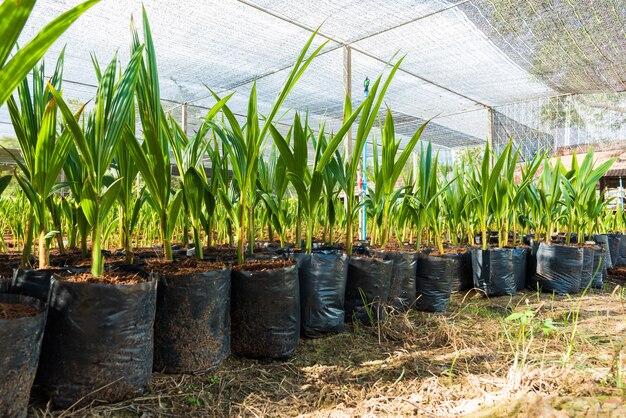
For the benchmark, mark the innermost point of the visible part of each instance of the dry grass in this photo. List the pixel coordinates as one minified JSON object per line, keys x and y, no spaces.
{"x":431,"y":365}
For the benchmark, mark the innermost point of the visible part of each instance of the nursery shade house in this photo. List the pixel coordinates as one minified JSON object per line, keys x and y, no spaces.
{"x":548,"y":74}
{"x":418,"y":203}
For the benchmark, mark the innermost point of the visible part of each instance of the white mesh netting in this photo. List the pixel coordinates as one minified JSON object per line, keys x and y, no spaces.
{"x":550,"y":70}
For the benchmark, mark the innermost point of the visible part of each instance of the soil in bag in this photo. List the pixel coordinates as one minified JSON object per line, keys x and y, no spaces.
{"x":322,"y":276}
{"x":531,"y":265}
{"x":265,"y":309}
{"x":494,"y":270}
{"x":559,"y":268}
{"x":402,"y":289}
{"x":192,"y":324}
{"x":99,"y":338}
{"x":22,"y":322}
{"x":367,"y":289}
{"x":435,"y":275}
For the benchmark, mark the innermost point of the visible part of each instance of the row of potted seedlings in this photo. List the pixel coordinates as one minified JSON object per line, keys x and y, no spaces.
{"x":103,"y":340}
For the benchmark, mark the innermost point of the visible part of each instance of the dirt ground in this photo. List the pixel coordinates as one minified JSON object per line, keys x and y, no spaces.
{"x":562,"y":356}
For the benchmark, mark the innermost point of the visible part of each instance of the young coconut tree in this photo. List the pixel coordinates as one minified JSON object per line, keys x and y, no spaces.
{"x":389,"y":170}
{"x":43,"y":152}
{"x":130,"y":200}
{"x":153,"y":156}
{"x":272,"y":183}
{"x":188,"y":153}
{"x":218,"y":182}
{"x":457,"y":202}
{"x":308,"y":181}
{"x":484,"y":182}
{"x":578,"y":188}
{"x":368,"y":111}
{"x":505,"y":203}
{"x":430,"y":188}
{"x":76,"y":175}
{"x":333,"y":183}
{"x":98,"y":143}
{"x":549,"y":196}
{"x":244,"y":145}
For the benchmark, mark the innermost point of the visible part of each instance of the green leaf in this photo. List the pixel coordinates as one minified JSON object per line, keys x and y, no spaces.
{"x":173,"y":211}
{"x":13,"y":15}
{"x":4,"y":182}
{"x":108,"y":198}
{"x":89,"y":203}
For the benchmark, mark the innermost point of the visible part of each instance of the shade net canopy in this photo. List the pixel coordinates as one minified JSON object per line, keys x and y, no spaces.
{"x":546,"y":73}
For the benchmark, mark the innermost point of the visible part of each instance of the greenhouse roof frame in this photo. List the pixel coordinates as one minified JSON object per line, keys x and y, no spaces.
{"x":463,"y":57}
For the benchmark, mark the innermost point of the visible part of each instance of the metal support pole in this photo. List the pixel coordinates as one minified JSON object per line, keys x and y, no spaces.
{"x":490,"y":128}
{"x":184,"y":117}
{"x":621,"y":194}
{"x":364,"y":193}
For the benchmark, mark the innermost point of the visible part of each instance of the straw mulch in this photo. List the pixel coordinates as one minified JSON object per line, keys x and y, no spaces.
{"x":431,"y":365}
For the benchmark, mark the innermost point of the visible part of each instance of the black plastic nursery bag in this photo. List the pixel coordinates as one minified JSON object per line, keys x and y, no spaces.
{"x":20,"y":344}
{"x":98,"y":342}
{"x":559,"y":268}
{"x":265,"y":312}
{"x":402,"y":290}
{"x":323,"y":276}
{"x":367,"y":289}
{"x":192,"y":324}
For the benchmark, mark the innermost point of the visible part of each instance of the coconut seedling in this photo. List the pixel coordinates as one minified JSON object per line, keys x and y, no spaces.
{"x":520,"y":194}
{"x":456,"y":205}
{"x":98,"y":142}
{"x":244,"y":145}
{"x":75,"y":174}
{"x":483,"y":184}
{"x":188,"y":153}
{"x":218,"y":182}
{"x":509,"y":193}
{"x":308,"y":181}
{"x":131,"y":196}
{"x":426,"y":198}
{"x":334,"y":182}
{"x":368,"y":111}
{"x":388,"y":171}
{"x":578,"y":188}
{"x":272,"y":183}
{"x":43,"y":150}
{"x":153,"y":155}
{"x":549,"y":197}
